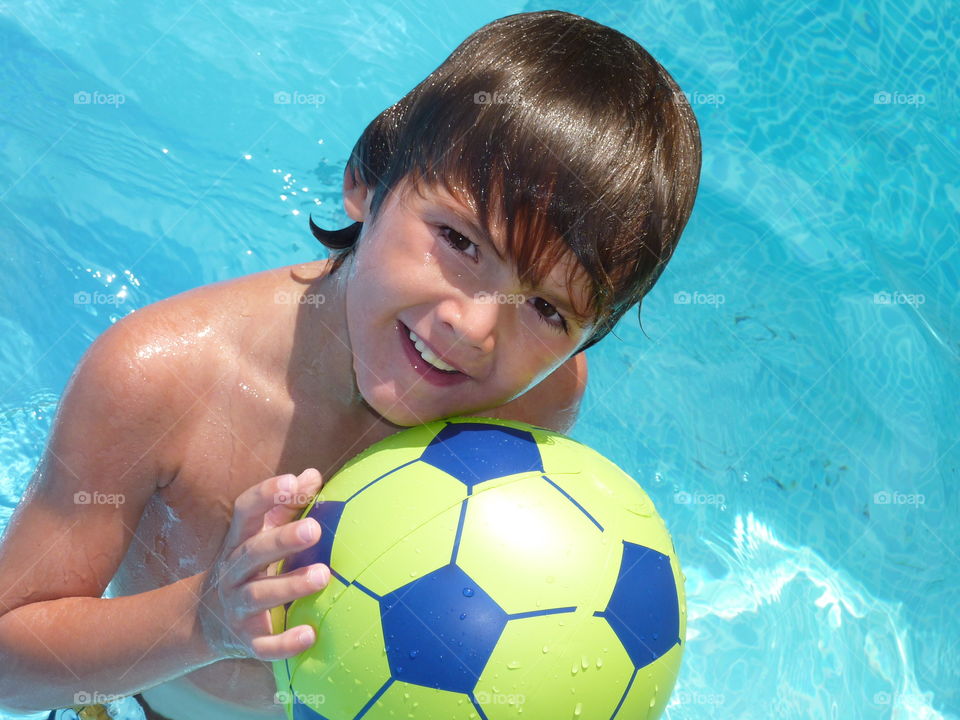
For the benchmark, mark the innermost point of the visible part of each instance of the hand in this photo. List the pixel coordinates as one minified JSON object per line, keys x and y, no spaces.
{"x":237,"y":594}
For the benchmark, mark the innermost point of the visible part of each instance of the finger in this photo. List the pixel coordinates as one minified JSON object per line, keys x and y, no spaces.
{"x":255,"y":554}
{"x":252,"y":504}
{"x":285,"y":645}
{"x":270,"y":592}
{"x":308,"y":484}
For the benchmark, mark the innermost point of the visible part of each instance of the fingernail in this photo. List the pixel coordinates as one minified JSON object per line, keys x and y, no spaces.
{"x":306,"y":530}
{"x":285,"y":484}
{"x":316,"y":576}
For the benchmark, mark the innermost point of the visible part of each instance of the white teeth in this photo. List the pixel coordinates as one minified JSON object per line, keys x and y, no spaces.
{"x":428,"y":355}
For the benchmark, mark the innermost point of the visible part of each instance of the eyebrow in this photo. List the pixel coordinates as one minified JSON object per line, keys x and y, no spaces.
{"x":456,"y":209}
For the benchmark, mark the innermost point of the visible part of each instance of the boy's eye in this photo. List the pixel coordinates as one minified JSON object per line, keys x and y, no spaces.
{"x":546,"y":312}
{"x":459,"y":242}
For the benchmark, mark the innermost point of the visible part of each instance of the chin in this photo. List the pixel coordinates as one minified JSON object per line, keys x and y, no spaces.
{"x":384,"y":403}
{"x":401,"y":417}
{"x":416,"y":408}
{"x":402,"y":414}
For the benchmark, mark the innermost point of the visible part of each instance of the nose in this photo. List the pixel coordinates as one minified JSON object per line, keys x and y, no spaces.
{"x":472,"y":320}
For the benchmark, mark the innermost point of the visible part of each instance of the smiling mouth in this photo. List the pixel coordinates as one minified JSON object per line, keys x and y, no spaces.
{"x":428,"y":355}
{"x":425,"y":363}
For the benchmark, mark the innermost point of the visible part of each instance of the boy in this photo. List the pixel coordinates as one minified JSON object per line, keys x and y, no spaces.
{"x":508,"y":211}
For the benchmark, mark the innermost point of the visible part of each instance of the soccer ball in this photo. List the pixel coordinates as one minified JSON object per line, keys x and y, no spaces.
{"x":485,"y":569}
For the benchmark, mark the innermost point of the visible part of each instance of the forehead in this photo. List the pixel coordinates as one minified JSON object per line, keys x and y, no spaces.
{"x":566,"y":281}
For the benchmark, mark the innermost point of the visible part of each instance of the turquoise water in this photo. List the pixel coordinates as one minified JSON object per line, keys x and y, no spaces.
{"x":789,"y":410}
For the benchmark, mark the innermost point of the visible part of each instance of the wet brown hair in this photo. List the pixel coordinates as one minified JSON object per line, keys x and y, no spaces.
{"x":566,"y":129}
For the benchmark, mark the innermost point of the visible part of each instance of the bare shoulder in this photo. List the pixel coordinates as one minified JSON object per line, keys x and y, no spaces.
{"x":147,"y":377}
{"x":552,"y":404}
{"x":112,"y":444}
{"x":133,"y":391}
{"x":189,"y":339}
{"x":131,"y":409}
{"x":154,"y":354}
{"x":175,"y":355}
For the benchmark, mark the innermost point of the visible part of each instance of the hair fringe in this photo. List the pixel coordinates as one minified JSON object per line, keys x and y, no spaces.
{"x":567,"y":130}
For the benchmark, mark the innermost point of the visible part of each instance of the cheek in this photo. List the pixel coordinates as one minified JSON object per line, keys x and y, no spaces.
{"x":383,"y":281}
{"x":550,"y":353}
{"x":372,"y":278}
{"x":401,"y":257}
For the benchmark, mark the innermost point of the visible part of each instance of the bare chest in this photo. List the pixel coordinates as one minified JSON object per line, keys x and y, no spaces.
{"x":243,"y":438}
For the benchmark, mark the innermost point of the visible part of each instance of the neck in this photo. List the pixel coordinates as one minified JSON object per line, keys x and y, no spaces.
{"x":321,"y":367}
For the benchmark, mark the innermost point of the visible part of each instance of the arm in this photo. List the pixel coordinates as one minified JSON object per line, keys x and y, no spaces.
{"x":552,"y":404}
{"x":57,"y":635}
{"x":117,"y":433}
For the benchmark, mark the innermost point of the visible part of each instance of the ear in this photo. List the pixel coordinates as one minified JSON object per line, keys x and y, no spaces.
{"x":356,"y":196}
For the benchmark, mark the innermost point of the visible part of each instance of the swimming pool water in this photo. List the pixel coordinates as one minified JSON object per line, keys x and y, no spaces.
{"x":792,"y":409}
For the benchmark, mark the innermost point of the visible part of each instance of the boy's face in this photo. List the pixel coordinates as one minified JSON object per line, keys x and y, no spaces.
{"x":424,"y":267}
